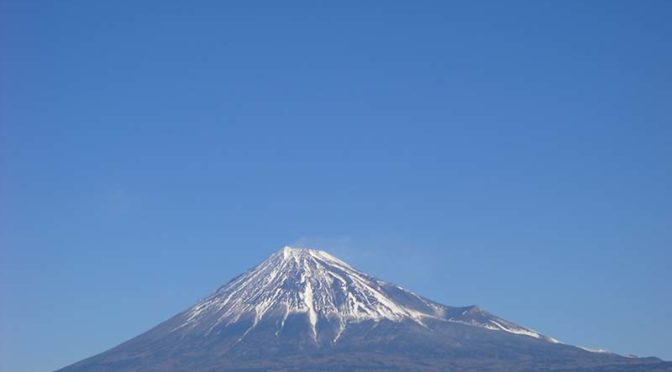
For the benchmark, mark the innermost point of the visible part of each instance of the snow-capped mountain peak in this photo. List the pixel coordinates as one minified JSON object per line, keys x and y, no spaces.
{"x":323,"y":288}
{"x":306,"y":309}
{"x":301,"y":280}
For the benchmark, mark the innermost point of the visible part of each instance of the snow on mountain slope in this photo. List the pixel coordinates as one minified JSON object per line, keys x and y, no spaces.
{"x":304,"y":309}
{"x":320,"y":286}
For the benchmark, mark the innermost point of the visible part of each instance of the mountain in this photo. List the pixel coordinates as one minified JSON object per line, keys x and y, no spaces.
{"x":304,"y":309}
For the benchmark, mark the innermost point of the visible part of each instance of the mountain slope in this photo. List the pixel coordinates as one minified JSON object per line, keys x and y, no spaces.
{"x":304,"y":308}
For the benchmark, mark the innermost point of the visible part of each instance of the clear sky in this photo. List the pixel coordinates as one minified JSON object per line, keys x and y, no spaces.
{"x":516,"y":156}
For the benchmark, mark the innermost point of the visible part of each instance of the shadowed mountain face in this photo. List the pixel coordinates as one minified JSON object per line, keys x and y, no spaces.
{"x":303,"y":309}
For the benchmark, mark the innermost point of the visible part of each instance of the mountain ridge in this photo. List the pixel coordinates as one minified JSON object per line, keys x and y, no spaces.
{"x":356,"y":297}
{"x":305,"y":307}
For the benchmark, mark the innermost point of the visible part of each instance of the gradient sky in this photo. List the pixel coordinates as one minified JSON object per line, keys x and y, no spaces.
{"x":516,"y":156}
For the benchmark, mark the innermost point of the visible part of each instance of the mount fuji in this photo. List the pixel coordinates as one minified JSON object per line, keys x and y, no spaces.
{"x":304,"y":309}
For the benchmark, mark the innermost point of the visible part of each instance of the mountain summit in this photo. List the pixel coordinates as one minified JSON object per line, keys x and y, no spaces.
{"x":306,"y":309}
{"x":329,"y":294}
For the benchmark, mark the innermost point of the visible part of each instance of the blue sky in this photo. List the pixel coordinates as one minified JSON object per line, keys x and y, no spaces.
{"x":516,"y":156}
